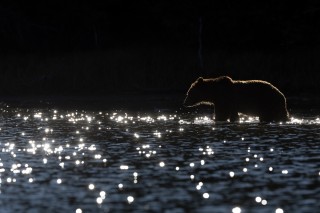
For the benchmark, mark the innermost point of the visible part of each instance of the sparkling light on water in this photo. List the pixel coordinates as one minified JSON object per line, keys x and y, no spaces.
{"x":103,"y":194}
{"x":92,"y":152}
{"x":130,"y":199}
{"x":202,"y":162}
{"x":124,"y":167}
{"x":202,"y":120}
{"x":231,"y":174}
{"x":136,"y":135}
{"x":206,"y":151}
{"x":258,"y":199}
{"x":236,"y":210}
{"x":91,"y":186}
{"x":157,"y":134}
{"x":97,"y":156}
{"x":162,"y":117}
{"x":206,"y":195}
{"x":99,"y":200}
{"x":279,"y":210}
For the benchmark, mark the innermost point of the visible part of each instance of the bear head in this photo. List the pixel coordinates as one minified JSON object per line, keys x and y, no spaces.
{"x":196,"y":93}
{"x":208,"y":91}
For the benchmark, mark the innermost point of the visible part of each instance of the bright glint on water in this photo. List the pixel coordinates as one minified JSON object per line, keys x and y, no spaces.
{"x":115,"y":161}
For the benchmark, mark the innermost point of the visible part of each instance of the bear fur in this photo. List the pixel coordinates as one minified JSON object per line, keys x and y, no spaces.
{"x":230,"y":97}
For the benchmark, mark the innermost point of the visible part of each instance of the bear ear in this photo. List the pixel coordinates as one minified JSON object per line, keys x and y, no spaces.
{"x":200,"y":80}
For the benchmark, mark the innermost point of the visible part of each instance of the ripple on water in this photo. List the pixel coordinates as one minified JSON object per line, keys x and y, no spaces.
{"x":80,"y":161}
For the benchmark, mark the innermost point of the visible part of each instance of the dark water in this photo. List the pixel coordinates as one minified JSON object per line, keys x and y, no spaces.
{"x":111,"y":161}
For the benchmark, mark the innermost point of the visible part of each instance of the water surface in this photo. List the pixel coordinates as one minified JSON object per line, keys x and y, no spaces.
{"x":115,"y":161}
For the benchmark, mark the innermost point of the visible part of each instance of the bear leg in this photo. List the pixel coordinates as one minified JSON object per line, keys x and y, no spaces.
{"x":234,"y":117}
{"x":273,"y":117}
{"x":221,"y":114}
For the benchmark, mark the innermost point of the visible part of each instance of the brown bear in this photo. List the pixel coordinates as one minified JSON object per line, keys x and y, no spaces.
{"x":230,"y":97}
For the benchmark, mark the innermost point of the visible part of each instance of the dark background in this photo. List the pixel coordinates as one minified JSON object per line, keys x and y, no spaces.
{"x":148,"y":47}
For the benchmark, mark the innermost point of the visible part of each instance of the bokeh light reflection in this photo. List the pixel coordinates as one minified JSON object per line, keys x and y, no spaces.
{"x":104,"y":161}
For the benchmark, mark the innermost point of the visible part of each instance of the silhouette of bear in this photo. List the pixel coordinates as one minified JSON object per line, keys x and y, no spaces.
{"x":230,"y":97}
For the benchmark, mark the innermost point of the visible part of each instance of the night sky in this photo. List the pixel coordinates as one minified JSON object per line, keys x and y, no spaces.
{"x":200,"y":28}
{"x":83,"y":25}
